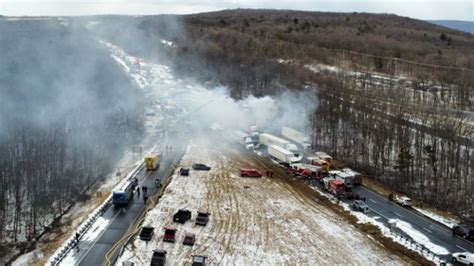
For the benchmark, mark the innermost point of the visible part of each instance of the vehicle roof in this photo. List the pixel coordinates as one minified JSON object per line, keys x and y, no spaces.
{"x":360,"y":202}
{"x":159,"y":251}
{"x":189,"y":234}
{"x":169,"y":228}
{"x":405,"y":198}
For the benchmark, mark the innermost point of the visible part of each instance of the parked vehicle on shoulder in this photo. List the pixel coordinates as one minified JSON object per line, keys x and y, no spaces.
{"x":184,"y":171}
{"x":202,"y":218}
{"x":359,"y":205}
{"x":199,"y":260}
{"x":466,"y":258}
{"x":189,"y":239}
{"x":463,"y":231}
{"x":146,"y":233}
{"x":182,"y":216}
{"x":250,"y":173}
{"x":200,"y":166}
{"x":158,"y":258}
{"x":404,"y":201}
{"x":170,"y":234}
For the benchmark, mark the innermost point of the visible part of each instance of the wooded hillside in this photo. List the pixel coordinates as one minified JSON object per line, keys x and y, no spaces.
{"x":395,"y":94}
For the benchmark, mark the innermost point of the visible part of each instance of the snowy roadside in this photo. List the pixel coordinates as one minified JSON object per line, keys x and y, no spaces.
{"x":448,"y":222}
{"x":52,"y":243}
{"x":253,"y":221}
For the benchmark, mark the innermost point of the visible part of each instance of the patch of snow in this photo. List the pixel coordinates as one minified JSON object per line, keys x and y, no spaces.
{"x":449,"y":222}
{"x":419,"y":237}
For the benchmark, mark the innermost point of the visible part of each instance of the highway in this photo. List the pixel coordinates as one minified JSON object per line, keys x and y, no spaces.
{"x":437,"y":233}
{"x":93,"y":252}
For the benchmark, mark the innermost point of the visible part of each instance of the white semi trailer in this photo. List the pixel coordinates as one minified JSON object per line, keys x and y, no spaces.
{"x":267,"y":140}
{"x":296,"y":136}
{"x":282,"y":155}
{"x":244,"y":139}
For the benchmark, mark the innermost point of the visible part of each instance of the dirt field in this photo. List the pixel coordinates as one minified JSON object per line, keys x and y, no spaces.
{"x":253,"y":221}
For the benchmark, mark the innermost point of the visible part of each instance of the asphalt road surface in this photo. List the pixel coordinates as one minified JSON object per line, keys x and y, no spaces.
{"x":93,"y":252}
{"x":437,"y":233}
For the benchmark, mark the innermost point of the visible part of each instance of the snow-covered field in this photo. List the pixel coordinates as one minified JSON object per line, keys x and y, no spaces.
{"x":449,"y":222}
{"x":253,"y":221}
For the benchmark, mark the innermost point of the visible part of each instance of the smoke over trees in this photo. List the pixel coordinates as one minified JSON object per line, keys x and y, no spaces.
{"x":414,"y":134}
{"x":66,"y":113}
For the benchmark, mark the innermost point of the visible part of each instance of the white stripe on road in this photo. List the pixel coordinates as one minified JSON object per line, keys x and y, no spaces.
{"x":372,"y":200}
{"x":427,"y":230}
{"x":397,"y":214}
{"x":461,"y":248}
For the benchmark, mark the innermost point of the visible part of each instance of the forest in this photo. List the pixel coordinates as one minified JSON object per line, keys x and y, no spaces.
{"x":67,"y":111}
{"x":398,"y":107}
{"x":395,"y":98}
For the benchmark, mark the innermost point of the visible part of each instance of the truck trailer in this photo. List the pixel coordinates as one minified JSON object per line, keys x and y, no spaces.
{"x":267,"y":140}
{"x":244,"y":139}
{"x":281,"y":155}
{"x":296,"y":136}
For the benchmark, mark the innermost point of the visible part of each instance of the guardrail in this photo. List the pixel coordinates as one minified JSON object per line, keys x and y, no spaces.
{"x":85,"y":226}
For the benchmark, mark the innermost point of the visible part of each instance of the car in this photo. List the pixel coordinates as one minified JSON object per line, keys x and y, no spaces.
{"x":202,"y":218}
{"x":170,"y":234}
{"x":359,"y":205}
{"x":463,"y":231}
{"x":250,"y":173}
{"x":146,"y":233}
{"x":404,"y":201}
{"x":158,"y":258}
{"x":466,"y":258}
{"x":199,"y":260}
{"x":200,"y":166}
{"x":189,"y":239}
{"x":184,"y":171}
{"x":182,"y":216}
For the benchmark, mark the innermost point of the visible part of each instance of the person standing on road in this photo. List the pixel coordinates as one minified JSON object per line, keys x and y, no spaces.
{"x":145,"y":198}
{"x":138,"y":191}
{"x":145,"y":189}
{"x":77,"y":237}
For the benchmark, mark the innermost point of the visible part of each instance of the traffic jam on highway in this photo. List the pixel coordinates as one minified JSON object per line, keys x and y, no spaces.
{"x":323,"y":173}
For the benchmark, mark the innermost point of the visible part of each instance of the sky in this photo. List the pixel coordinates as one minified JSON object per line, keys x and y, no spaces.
{"x":420,"y":9}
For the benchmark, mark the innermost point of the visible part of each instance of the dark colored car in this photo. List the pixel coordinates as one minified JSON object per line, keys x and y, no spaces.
{"x":147,"y":233}
{"x":170,"y":234}
{"x":463,"y":231}
{"x":182,"y":216}
{"x":202,"y":218}
{"x":189,"y":239}
{"x":200,"y":166}
{"x":199,"y":260}
{"x":184,"y":171}
{"x":158,"y":258}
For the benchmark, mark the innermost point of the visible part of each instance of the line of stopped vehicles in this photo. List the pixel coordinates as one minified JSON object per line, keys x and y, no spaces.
{"x":299,"y":160}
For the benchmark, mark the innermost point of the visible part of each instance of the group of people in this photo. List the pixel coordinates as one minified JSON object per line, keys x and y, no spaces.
{"x":269,"y":173}
{"x":145,"y":191}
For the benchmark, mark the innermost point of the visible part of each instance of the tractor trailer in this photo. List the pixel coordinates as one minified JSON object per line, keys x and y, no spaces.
{"x":282,"y":155}
{"x":296,"y":136}
{"x":244,"y":139}
{"x":267,"y":140}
